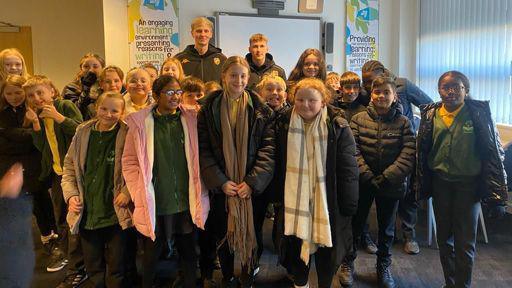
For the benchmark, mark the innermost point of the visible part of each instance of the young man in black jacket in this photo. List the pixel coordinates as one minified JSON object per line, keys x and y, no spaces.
{"x":202,"y":60}
{"x":260,"y":61}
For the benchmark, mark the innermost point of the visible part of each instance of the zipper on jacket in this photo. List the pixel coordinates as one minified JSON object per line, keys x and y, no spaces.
{"x":202,"y":69}
{"x":379,"y":142}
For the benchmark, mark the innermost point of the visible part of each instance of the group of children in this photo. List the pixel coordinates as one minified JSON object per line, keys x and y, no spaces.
{"x":184,"y":161}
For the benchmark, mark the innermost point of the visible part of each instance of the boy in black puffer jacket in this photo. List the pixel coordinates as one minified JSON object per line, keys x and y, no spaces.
{"x":385,"y":154}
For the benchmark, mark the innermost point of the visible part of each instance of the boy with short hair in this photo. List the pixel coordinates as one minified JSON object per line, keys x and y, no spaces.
{"x":350,"y":86}
{"x":272,"y":90}
{"x":386,"y":156}
{"x":260,"y":61}
{"x":54,"y":122}
{"x":193,"y":90}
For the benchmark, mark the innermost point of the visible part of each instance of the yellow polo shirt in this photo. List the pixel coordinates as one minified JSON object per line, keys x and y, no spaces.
{"x":448,"y":117}
{"x":54,"y":145}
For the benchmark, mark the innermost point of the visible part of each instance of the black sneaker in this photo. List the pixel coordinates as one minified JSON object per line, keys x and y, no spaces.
{"x":368,"y":245}
{"x":346,"y":274}
{"x":73,"y":280}
{"x":384,"y":277}
{"x":56,"y":260}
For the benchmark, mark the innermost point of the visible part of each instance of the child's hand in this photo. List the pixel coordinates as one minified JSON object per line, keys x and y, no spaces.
{"x":229,"y":188}
{"x":74,"y":204}
{"x":11,"y":182}
{"x":121,"y":200}
{"x":49,"y":111}
{"x":378,"y":182}
{"x":244,"y":190}
{"x":31,"y":116}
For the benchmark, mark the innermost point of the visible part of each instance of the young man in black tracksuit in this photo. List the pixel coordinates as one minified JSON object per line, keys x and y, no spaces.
{"x":260,"y":61}
{"x":202,"y":60}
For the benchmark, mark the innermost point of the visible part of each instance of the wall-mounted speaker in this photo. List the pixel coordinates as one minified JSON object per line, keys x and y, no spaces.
{"x":328,"y":37}
{"x":328,"y":44}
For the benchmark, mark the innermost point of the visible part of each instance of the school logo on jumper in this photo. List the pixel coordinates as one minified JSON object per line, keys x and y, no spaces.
{"x":467,"y":128}
{"x":216,"y":60}
{"x":184,"y":61}
{"x":111,"y":156}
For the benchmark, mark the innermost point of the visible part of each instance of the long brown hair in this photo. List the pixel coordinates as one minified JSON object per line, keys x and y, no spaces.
{"x":231,"y":61}
{"x":84,"y":58}
{"x":297,"y":72}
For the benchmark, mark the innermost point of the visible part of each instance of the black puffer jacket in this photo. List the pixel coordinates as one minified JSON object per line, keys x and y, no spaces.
{"x":206,"y":67}
{"x":257,"y":72}
{"x":349,"y":108}
{"x":385,"y":146}
{"x":493,"y":187}
{"x":260,"y":153}
{"x":342,"y":180}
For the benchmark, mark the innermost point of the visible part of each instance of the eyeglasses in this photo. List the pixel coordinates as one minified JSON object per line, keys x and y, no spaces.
{"x":172,"y":92}
{"x":452,"y":87}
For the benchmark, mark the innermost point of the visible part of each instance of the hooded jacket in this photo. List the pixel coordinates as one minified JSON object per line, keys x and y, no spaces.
{"x":206,"y":67}
{"x":385,"y":146}
{"x":493,"y":187}
{"x":257,"y":72}
{"x":137,"y":162}
{"x":74,"y":171}
{"x":260,"y":153}
{"x":341,"y":181}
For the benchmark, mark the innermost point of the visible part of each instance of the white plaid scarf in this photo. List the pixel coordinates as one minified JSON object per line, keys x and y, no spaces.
{"x":305,"y":197}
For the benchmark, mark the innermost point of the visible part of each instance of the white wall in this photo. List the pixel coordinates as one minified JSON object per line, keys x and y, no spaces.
{"x":65,"y":30}
{"x":115,"y":18}
{"x":62,"y":32}
{"x":334,"y":11}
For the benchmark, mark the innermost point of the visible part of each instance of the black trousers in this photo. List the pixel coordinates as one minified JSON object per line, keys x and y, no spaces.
{"x":70,"y":244}
{"x":207,"y":249}
{"x":259,"y":207}
{"x":325,"y":264}
{"x":408,"y":212}
{"x":130,"y":267}
{"x":185,"y":243}
{"x":386,"y":215}
{"x":104,"y":255}
{"x":43,"y":209}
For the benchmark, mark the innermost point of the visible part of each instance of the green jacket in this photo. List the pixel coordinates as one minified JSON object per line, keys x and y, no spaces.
{"x":63,"y":131}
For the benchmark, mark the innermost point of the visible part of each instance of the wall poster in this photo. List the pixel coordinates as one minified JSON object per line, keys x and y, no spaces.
{"x":362,"y":33}
{"x":153,"y":31}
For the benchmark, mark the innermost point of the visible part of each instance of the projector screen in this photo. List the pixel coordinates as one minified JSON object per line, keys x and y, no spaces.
{"x":288,"y":36}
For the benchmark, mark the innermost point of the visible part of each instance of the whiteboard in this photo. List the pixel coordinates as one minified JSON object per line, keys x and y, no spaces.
{"x":288,"y":36}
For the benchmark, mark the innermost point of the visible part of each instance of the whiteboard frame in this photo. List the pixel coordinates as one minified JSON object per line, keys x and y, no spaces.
{"x":218,"y":29}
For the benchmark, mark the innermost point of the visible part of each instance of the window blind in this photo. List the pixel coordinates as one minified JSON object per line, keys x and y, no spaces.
{"x":475,"y":38}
